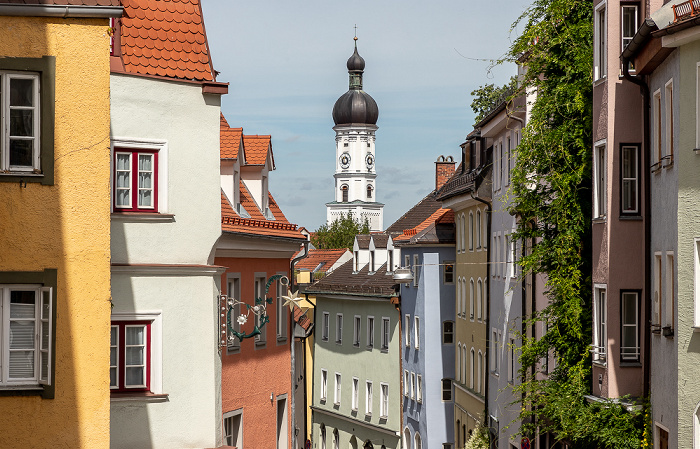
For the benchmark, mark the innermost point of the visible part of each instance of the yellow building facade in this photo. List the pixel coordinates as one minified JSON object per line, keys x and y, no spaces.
{"x":54,"y":226}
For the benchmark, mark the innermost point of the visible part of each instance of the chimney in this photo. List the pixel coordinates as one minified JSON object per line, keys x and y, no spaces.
{"x":444,"y":169}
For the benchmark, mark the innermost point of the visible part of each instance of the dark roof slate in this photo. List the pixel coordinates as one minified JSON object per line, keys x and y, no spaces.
{"x":363,"y":240}
{"x":415,"y":216}
{"x":345,"y":281}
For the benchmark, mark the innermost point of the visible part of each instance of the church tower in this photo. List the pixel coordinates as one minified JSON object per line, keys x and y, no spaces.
{"x":355,"y":116}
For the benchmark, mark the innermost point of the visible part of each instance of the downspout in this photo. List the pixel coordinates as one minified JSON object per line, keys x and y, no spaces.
{"x":488,"y":304}
{"x":639,"y":39}
{"x":294,"y":261}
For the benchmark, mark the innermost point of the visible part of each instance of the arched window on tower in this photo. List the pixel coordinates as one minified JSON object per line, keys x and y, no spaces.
{"x":369,"y":191}
{"x":344,"y":190}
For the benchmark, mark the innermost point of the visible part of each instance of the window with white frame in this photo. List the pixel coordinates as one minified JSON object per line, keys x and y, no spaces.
{"x":338,"y":390}
{"x":471,"y":368}
{"x":339,"y":328}
{"x":135,"y":180}
{"x":355,"y":393}
{"x":446,"y":390}
{"x":323,"y":436}
{"x":418,"y":443}
{"x":656,"y":141}
{"x":234,"y":291}
{"x":371,"y":262}
{"x":368,"y":397}
{"x":478,"y":229}
{"x":416,"y":332}
{"x":495,"y":344}
{"x":448,"y":332}
{"x":407,"y":329}
{"x":600,"y":192}
{"x":260,"y":282}
{"x":233,"y":428}
{"x":668,"y":104}
{"x":407,"y":262}
{"x":497,"y":255}
{"x":629,"y":23}
{"x":478,"y":299}
{"x":413,"y":385}
{"x":370,"y":331}
{"x":26,"y":342}
{"x":416,"y":270}
{"x":464,"y":298}
{"x":480,"y":388}
{"x":324,"y":384}
{"x":507,"y":156}
{"x":384,"y":404}
{"x":670,"y":293}
{"x":512,"y":255}
{"x":600,"y":327}
{"x":464,"y":364}
{"x":461,"y":232}
{"x":494,"y":264}
{"x":326,"y":325}
{"x":458,"y":218}
{"x":405,"y":382}
{"x":511,"y":359}
{"x":629,"y":347}
{"x":386,"y":333}
{"x":458,"y":372}
{"x":471,"y":231}
{"x":356,"y":331}
{"x":484,"y":297}
{"x":656,"y":317}
{"x":484,"y":231}
{"x":336,"y":439}
{"x":629,"y":155}
{"x":471,"y":299}
{"x":282,"y":317}
{"x":419,"y":388}
{"x":600,"y":43}
{"x":458,"y":297}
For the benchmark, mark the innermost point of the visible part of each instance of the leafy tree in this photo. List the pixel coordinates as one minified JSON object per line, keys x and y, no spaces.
{"x":340,"y":233}
{"x":488,"y":97}
{"x":551,"y":193}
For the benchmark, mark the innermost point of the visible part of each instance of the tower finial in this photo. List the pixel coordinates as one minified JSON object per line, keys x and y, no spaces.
{"x":355,"y":38}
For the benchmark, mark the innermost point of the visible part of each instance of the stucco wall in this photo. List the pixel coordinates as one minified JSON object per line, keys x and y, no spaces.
{"x":66,"y":227}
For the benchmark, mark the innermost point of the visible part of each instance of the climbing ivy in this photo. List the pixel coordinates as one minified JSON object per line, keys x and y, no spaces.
{"x":551,"y":193}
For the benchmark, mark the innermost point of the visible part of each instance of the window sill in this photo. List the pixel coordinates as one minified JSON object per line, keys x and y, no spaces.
{"x":600,"y":364}
{"x":600,"y":80}
{"x":602,"y":219}
{"x":631,"y":217}
{"x":281,"y":339}
{"x":631,"y":364}
{"x":142,"y":217}
{"x":22,"y":390}
{"x":139,"y":397}
{"x":24,"y":177}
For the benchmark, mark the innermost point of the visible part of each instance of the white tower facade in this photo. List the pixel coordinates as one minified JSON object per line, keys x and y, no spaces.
{"x":355,"y":115}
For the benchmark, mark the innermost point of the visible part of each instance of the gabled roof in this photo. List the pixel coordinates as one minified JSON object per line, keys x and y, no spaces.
{"x":230,"y":140}
{"x":363,"y":240}
{"x":165,"y":38}
{"x":344,"y":281}
{"x":428,"y":231}
{"x":257,"y":224}
{"x":380,"y":240}
{"x":256,"y":149}
{"x":320,"y":259}
{"x":415,"y":215}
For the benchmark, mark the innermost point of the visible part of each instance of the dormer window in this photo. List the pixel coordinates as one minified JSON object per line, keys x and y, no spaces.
{"x":371,"y":261}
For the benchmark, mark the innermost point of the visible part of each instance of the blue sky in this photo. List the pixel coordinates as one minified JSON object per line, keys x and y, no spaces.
{"x":285,"y":62}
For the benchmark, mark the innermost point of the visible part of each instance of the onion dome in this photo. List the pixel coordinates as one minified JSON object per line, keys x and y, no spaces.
{"x":355,"y":105}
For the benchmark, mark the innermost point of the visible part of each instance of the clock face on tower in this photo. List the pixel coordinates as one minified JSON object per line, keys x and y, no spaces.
{"x":345,"y":160}
{"x":369,"y":160}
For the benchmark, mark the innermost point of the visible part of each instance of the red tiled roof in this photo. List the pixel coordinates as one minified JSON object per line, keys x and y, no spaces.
{"x":230,"y":140}
{"x":63,"y":2}
{"x":256,"y":224}
{"x":256,"y":149}
{"x":435,"y":217}
{"x":249,"y":204}
{"x":317,"y":256}
{"x":165,"y":38}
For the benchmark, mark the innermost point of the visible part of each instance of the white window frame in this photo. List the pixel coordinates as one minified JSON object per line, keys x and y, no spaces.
{"x":471,"y":299}
{"x":625,"y":40}
{"x":511,"y":358}
{"x":670,"y":291}
{"x":325,"y":326}
{"x":156,"y":319}
{"x":600,"y":51}
{"x":471,"y":231}
{"x":600,"y":323}
{"x":282,"y":317}
{"x":357,"y":331}
{"x":368,"y":398}
{"x":669,"y":141}
{"x":656,"y":141}
{"x":458,"y":365}
{"x":477,"y":224}
{"x":600,"y":179}
{"x":495,"y":351}
{"x":656,"y":316}
{"x":355,"y":393}
{"x":626,"y":356}
{"x":416,"y":270}
{"x":477,"y":298}
{"x":339,"y":328}
{"x":405,"y":382}
{"x":5,"y":77}
{"x":407,"y":330}
{"x":324,"y":385}
{"x":461,"y":232}
{"x":159,"y":146}
{"x":370,"y":332}
{"x":471,"y":368}
{"x":384,"y":400}
{"x":458,"y":296}
{"x":633,"y":180}
{"x":419,"y":388}
{"x":416,"y":331}
{"x":413,"y":385}
{"x":386,"y":333}
{"x":228,"y":424}
{"x":338,"y":388}
{"x":480,"y":388}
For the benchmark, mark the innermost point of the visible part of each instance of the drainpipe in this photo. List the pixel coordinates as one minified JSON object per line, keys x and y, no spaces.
{"x":294,"y":261}
{"x":488,"y":304}
{"x":644,"y":33}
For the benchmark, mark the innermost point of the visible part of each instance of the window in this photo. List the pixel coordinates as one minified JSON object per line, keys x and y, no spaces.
{"x":497,"y":255}
{"x":600,"y":175}
{"x":384,"y":404}
{"x":234,"y":291}
{"x":418,"y":442}
{"x":130,"y":345}
{"x":459,"y":297}
{"x":484,"y":231}
{"x":344,"y":193}
{"x":370,"y":331}
{"x":471,"y":368}
{"x":282,"y":428}
{"x":511,"y":359}
{"x":324,"y":384}
{"x":407,"y":329}
{"x":630,"y":179}
{"x":356,"y":331}
{"x":339,"y":328}
{"x":260,"y":281}
{"x":413,"y":385}
{"x":355,"y":393}
{"x":26,"y":346}
{"x":27,"y":118}
{"x":446,"y":389}
{"x":494,"y":271}
{"x":478,"y":229}
{"x":668,"y":100}
{"x":697,"y":107}
{"x":458,"y":218}
{"x":600,"y":44}
{"x":406,"y":438}
{"x":390,"y":262}
{"x":448,"y":332}
{"x":458,"y":372}
{"x":336,"y":396}
{"x":282,"y":317}
{"x":368,"y":398}
{"x":419,"y":388}
{"x":135,"y":180}
{"x":371,"y":262}
{"x":480,"y":388}
{"x":471,"y":299}
{"x":416,"y":270}
{"x":656,"y":125}
{"x":461,"y":232}
{"x":629,"y":24}
{"x":471,"y":231}
{"x":336,"y":439}
{"x":656,"y":319}
{"x":478,"y":299}
{"x":385,"y":333}
{"x":405,"y":382}
{"x":496,"y":351}
{"x":507,"y":160}
{"x":416,"y":332}
{"x":448,"y":272}
{"x":464,"y":298}
{"x":369,"y":191}
{"x":669,"y":296}
{"x":326,"y":323}
{"x":600,"y":324}
{"x":629,"y":349}
{"x":484,"y":297}
{"x":323,"y":436}
{"x":357,"y":261}
{"x":696,"y":273}
{"x":233,"y":428}
{"x":407,"y":261}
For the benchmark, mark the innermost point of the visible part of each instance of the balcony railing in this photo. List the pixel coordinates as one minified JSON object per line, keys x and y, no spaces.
{"x":685,"y":10}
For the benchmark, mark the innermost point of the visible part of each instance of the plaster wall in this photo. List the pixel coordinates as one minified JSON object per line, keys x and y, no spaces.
{"x":65,"y":226}
{"x":664,"y":239}
{"x":687,"y":338}
{"x":266,"y":368}
{"x":190,"y":364}
{"x":187,"y":121}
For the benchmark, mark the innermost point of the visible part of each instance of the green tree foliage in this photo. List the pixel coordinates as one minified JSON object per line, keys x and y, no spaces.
{"x":340,"y":233}
{"x":488,"y":97}
{"x":551,"y":192}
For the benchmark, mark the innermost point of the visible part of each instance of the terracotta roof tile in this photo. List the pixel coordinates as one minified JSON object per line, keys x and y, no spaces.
{"x":175,"y":28}
{"x":434,"y":218}
{"x":327,"y":257}
{"x":344,"y":280}
{"x":256,"y":225}
{"x":416,"y":215}
{"x":230,"y":140}
{"x":63,"y":2}
{"x":256,"y":149}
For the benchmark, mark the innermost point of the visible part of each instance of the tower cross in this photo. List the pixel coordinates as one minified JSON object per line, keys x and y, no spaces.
{"x":355,"y":31}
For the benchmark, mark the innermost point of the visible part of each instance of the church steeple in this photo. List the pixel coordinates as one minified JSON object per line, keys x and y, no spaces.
{"x":356,"y":66}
